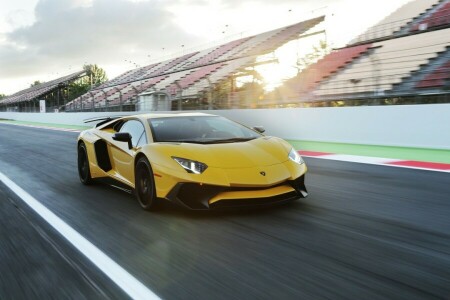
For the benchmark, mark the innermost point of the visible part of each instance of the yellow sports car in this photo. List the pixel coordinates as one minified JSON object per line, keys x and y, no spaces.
{"x":196,"y":160}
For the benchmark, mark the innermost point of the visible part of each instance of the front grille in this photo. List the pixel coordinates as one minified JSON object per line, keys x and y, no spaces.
{"x":196,"y":196}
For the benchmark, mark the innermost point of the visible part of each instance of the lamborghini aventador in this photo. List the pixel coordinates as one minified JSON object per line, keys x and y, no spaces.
{"x":196,"y":160}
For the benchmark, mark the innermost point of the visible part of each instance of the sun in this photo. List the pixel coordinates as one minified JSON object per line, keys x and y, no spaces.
{"x":282,"y":64}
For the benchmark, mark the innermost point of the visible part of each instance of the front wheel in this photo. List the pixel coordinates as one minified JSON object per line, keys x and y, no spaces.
{"x":145,"y":185}
{"x":83,"y":165}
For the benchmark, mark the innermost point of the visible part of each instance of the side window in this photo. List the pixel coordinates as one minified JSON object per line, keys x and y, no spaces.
{"x":137,"y":132}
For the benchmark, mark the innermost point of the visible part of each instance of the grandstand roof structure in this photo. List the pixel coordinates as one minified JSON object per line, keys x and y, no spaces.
{"x":40,"y":90}
{"x":191,"y":73}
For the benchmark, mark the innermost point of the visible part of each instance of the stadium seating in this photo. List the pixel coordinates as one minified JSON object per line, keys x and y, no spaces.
{"x":438,"y":78}
{"x":111,"y":96}
{"x":125,"y":77}
{"x":395,"y":21}
{"x":195,"y":71}
{"x":171,"y":78}
{"x":438,"y":18}
{"x":222,"y":73}
{"x":286,"y":34}
{"x":217,"y":52}
{"x":390,"y":62}
{"x":146,"y":72}
{"x":170,"y":64}
{"x":143,"y":72}
{"x":193,"y":77}
{"x":331,"y":63}
{"x":39,"y":90}
{"x":130,"y":90}
{"x":237,"y":51}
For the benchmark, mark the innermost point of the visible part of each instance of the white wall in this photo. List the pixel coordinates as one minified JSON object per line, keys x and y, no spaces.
{"x":426,"y":126}
{"x":57,"y":118}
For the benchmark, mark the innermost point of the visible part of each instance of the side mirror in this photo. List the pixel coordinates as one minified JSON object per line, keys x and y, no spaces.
{"x":260,"y":129}
{"x":123,"y":137}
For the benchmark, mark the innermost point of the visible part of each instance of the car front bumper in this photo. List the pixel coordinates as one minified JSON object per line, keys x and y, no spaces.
{"x":197,"y":196}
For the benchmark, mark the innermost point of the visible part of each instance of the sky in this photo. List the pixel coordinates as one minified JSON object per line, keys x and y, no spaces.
{"x":46,"y":39}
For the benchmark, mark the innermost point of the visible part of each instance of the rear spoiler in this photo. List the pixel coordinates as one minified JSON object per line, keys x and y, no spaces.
{"x":102,"y":120}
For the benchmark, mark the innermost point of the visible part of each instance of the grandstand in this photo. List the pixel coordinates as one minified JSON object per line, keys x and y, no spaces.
{"x":409,"y":60}
{"x":438,"y":78}
{"x":400,"y":20}
{"x":404,"y":56}
{"x":308,"y":80}
{"x":54,"y":92}
{"x":386,"y":65}
{"x":438,"y":17}
{"x":188,"y":76}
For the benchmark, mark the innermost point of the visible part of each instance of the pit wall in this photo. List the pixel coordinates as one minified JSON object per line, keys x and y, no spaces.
{"x":418,"y":126}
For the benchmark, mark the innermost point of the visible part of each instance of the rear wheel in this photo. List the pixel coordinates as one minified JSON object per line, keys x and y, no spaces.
{"x":83,"y":165}
{"x":145,"y":185}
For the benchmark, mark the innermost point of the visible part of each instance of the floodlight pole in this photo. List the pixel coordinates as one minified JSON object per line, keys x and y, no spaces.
{"x":93,"y":101}
{"x":106,"y":99}
{"x":180,"y":88}
{"x":375,"y":73}
{"x":210,"y":100}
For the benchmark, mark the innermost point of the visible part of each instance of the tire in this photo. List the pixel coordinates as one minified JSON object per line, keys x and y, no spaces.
{"x":83,"y":165}
{"x":145,"y":185}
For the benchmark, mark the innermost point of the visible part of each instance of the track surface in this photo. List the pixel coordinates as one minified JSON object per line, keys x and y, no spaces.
{"x":365,"y":232}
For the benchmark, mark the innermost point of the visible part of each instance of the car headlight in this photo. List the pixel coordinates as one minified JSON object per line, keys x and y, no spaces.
{"x":295,"y":157}
{"x":191,"y":166}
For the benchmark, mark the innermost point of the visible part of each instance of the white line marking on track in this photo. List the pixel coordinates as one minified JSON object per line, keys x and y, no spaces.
{"x":129,"y":284}
{"x":359,"y":159}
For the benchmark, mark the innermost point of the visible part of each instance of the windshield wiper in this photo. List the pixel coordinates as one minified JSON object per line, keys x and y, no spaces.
{"x":230,"y":140}
{"x":211,"y":141}
{"x":185,"y":141}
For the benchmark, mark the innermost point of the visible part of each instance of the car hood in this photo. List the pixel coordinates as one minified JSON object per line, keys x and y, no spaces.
{"x":264,"y":151}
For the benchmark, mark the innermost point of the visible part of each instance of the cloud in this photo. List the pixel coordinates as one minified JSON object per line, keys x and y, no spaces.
{"x":66,"y":34}
{"x":102,"y":31}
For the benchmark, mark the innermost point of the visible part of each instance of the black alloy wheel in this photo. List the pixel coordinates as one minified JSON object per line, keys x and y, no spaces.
{"x":145,"y":185}
{"x":83,"y":165}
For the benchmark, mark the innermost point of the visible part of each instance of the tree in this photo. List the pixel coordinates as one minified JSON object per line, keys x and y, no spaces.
{"x":250,"y":93}
{"x":317,"y":53}
{"x":2,"y":96}
{"x":35,"y":83}
{"x":95,"y":76}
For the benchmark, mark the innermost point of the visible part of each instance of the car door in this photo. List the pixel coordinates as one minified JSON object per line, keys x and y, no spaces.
{"x":122,"y":156}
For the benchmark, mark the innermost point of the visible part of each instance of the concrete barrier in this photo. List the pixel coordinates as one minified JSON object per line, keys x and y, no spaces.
{"x":421,"y":126}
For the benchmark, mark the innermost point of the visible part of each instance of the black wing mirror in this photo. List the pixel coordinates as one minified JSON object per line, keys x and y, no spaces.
{"x":123,"y":137}
{"x":260,"y":129}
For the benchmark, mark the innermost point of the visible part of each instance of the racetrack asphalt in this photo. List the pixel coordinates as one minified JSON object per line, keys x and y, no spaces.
{"x":365,"y":232}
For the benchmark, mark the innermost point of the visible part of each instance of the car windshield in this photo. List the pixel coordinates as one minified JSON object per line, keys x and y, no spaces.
{"x":200,"y":129}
